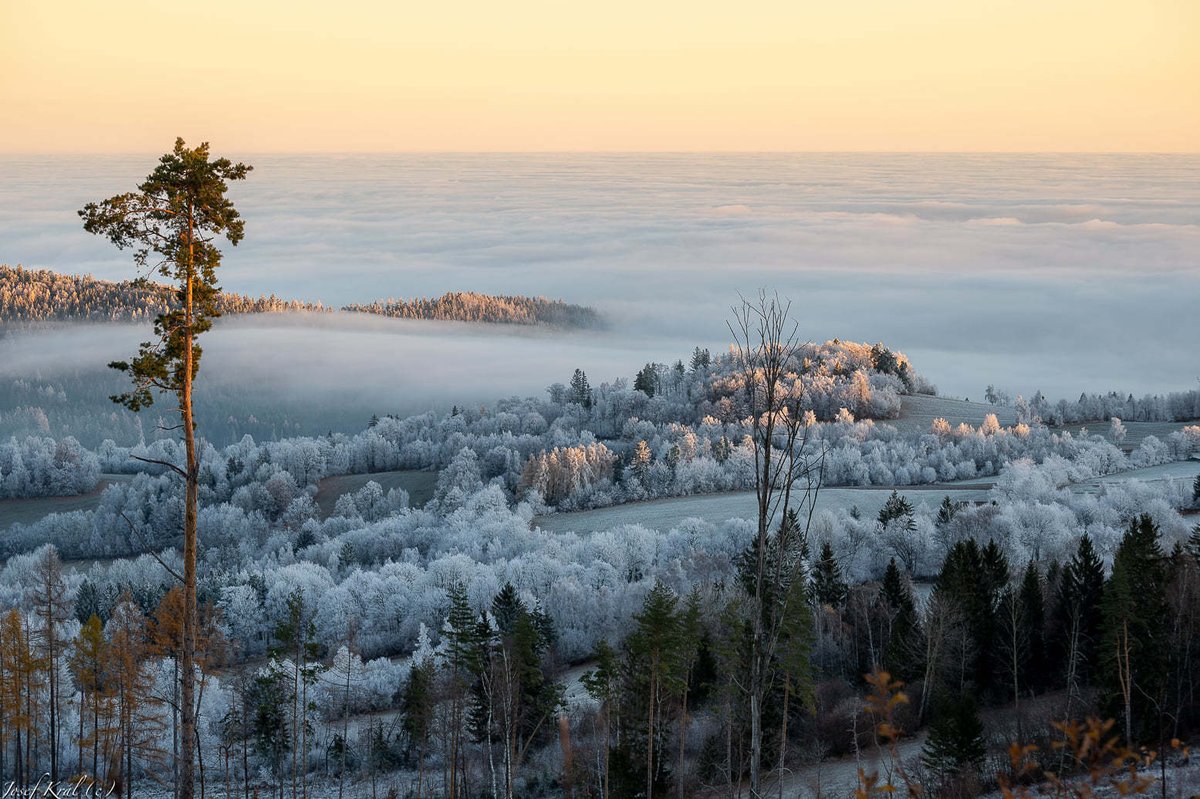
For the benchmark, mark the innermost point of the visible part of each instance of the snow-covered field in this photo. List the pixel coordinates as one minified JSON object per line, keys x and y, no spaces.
{"x":663,"y":514}
{"x":1135,"y":432}
{"x":1178,"y":470}
{"x":917,"y":413}
{"x":418,"y":484}
{"x":26,"y":511}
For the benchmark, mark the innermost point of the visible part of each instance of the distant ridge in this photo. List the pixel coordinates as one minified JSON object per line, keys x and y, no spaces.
{"x":466,"y":306}
{"x":35,"y":296}
{"x":39,"y":295}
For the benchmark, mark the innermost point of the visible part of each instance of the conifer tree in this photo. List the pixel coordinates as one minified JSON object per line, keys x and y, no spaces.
{"x":903,"y":653}
{"x":1133,"y":654}
{"x":1033,"y":612}
{"x":1081,"y":591}
{"x":176,"y":216}
{"x":955,"y":742}
{"x":827,"y":584}
{"x":417,"y":707}
{"x":460,"y":658}
{"x":603,"y":684}
{"x":581,"y":390}
{"x":655,"y":648}
{"x":646,"y":380}
{"x":948,"y":510}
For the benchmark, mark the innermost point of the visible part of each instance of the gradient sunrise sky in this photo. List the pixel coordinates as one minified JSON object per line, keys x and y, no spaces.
{"x":640,"y":75}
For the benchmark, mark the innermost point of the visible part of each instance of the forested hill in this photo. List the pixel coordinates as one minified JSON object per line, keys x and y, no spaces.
{"x":472,"y":307}
{"x":30,"y":296}
{"x":39,"y":295}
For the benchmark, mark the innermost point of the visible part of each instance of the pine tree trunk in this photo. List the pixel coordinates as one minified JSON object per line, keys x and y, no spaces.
{"x":190,"y":545}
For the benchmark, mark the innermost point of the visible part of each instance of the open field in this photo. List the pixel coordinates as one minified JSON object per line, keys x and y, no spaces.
{"x":918,"y":411}
{"x":663,"y":514}
{"x":1179,"y":470}
{"x":418,"y":484}
{"x":1135,"y":432}
{"x":26,"y":511}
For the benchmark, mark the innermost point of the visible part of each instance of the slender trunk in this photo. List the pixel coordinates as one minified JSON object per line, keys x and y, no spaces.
{"x":190,"y":544}
{"x":683,"y":724}
{"x":95,"y":737}
{"x":420,"y":770}
{"x":82,"y":709}
{"x":783,"y":734}
{"x":650,"y":742}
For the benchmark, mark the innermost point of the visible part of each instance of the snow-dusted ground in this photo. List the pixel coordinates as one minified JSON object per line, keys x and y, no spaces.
{"x":418,"y":483}
{"x":663,"y":514}
{"x":917,"y":413}
{"x":1179,"y":470}
{"x":27,"y":511}
{"x":1135,"y":432}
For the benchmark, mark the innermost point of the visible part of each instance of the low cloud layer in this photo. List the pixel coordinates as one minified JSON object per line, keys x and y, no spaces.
{"x":1061,"y":273}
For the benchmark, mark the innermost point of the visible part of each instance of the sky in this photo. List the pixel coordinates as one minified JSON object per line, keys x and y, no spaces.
{"x":625,"y":75}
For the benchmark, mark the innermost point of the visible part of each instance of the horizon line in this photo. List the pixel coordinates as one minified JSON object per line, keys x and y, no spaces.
{"x":50,"y":153}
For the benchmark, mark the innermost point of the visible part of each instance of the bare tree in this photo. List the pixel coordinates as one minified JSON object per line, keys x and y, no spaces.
{"x":787,"y":478}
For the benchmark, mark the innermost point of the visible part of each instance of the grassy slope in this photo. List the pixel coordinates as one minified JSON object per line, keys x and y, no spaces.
{"x":26,"y":511}
{"x":418,"y":484}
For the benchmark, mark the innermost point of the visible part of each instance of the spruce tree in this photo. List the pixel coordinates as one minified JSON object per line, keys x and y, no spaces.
{"x":904,"y":652}
{"x":948,"y":510}
{"x":1033,"y":615}
{"x":955,"y":741}
{"x":646,"y":380}
{"x":1135,"y":629}
{"x":1193,"y":544}
{"x":1080,"y":593}
{"x":654,"y":650}
{"x":897,"y":508}
{"x":581,"y":390}
{"x":827,"y":584}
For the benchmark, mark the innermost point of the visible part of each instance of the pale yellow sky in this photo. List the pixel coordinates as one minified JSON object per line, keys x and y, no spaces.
{"x":678,"y":75}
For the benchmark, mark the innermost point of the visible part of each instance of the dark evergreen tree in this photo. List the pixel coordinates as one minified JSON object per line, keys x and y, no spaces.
{"x":646,"y":380}
{"x":417,"y":705}
{"x":1033,"y":615}
{"x":948,"y":510}
{"x":903,"y":655}
{"x":90,"y":602}
{"x":1077,"y":644}
{"x":955,"y":741}
{"x":897,"y":509}
{"x":828,"y":587}
{"x":652,"y":678}
{"x":581,"y":390}
{"x":1193,"y":545}
{"x":1133,"y":653}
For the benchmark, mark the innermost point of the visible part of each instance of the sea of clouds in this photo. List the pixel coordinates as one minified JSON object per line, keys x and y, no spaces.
{"x":1054,"y":272}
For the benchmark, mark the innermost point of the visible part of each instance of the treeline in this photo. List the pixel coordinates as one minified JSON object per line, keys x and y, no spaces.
{"x":671,"y":714}
{"x":39,"y":295}
{"x":459,"y":306}
{"x":1177,"y":406}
